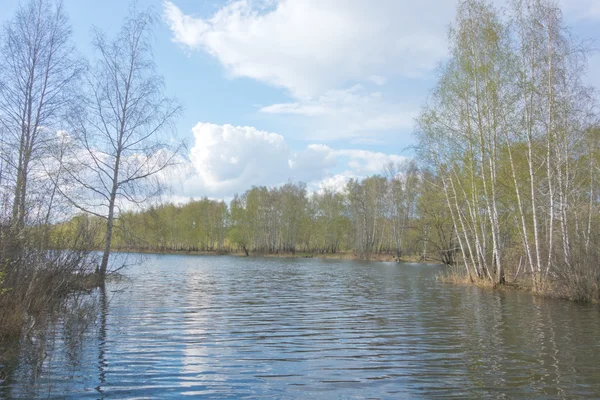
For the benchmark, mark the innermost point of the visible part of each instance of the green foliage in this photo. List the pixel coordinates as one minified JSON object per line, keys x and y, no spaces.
{"x":511,"y":134}
{"x":376,"y":215}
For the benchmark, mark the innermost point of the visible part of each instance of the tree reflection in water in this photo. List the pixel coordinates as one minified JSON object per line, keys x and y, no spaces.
{"x":102,"y":364}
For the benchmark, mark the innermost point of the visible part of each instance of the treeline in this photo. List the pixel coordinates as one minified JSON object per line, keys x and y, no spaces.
{"x":512,"y":132}
{"x":398,"y":213}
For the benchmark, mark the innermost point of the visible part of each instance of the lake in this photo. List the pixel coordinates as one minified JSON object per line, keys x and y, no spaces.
{"x":230,"y":327}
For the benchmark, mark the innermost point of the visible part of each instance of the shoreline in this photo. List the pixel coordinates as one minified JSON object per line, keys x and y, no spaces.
{"x":548,"y":291}
{"x":447,"y":276}
{"x":349,"y":256}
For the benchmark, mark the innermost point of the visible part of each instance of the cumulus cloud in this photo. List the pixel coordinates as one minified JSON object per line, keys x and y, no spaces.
{"x":312,"y":163}
{"x":226,"y":159}
{"x":364,"y":162}
{"x":310,"y":46}
{"x":335,"y":182}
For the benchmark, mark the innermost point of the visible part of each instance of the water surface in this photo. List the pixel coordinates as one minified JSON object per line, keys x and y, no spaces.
{"x":228,"y":327}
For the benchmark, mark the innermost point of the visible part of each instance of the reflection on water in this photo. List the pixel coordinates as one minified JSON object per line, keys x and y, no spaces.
{"x":272,"y":328}
{"x":59,"y":338}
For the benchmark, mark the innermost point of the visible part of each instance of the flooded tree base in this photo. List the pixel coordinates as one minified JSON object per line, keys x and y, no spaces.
{"x":582,"y":292}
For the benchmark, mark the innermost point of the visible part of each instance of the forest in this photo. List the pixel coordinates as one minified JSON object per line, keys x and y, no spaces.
{"x":399,"y":213}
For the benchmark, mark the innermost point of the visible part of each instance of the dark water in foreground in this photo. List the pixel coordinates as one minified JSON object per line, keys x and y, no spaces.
{"x":226,"y":327}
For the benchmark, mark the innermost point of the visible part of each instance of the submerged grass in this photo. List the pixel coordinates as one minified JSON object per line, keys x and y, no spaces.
{"x":36,"y":278}
{"x":20,"y":305}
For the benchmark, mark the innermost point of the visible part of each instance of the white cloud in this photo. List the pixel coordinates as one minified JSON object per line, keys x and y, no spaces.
{"x":311,"y":46}
{"x":378,"y":80}
{"x":336,"y":182}
{"x":353,"y":112}
{"x":186,"y":29}
{"x":364,"y":162}
{"x":312,"y":163}
{"x":305,"y":108}
{"x":226,"y":159}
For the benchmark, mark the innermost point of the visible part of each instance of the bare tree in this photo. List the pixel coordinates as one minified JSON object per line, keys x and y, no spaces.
{"x":122,"y":128}
{"x":38,"y":72}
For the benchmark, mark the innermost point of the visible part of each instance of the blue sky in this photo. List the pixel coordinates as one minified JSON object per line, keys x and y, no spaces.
{"x":312,"y":90}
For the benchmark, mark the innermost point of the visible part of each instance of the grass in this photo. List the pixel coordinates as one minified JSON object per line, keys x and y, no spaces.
{"x":34,"y":281}
{"x":45,"y":291}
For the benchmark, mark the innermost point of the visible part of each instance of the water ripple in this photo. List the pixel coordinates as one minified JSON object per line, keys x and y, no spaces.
{"x":224,"y":327}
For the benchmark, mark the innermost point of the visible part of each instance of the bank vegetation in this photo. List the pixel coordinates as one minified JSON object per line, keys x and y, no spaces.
{"x":395,"y":214}
{"x":512,"y":132}
{"x":76,"y":135}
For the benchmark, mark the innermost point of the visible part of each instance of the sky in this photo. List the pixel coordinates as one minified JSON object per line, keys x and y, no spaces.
{"x":311,"y":90}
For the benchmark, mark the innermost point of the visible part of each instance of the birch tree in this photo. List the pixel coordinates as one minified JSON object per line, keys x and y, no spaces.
{"x":508,"y":130}
{"x":123,"y":127}
{"x":39,"y":71}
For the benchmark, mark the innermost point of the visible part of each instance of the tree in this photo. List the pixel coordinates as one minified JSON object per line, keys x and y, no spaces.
{"x":509,"y":132}
{"x":240,"y":227}
{"x":366,"y":206}
{"x":39,"y":71}
{"x":434,"y":221}
{"x":329,"y":222}
{"x":121,"y":128}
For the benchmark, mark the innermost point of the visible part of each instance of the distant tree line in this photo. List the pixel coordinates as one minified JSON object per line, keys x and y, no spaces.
{"x":398,"y":213}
